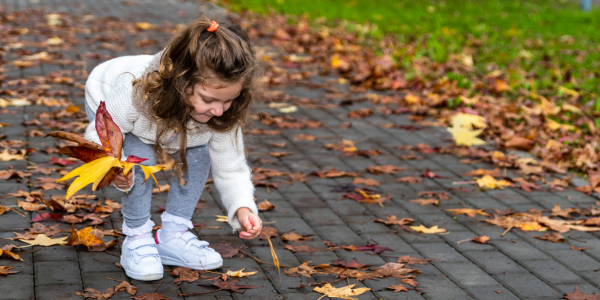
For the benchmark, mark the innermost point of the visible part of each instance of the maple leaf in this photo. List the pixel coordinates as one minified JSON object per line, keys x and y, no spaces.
{"x":101,"y":163}
{"x":5,"y":251}
{"x":6,"y":156}
{"x":481,"y":172}
{"x":185,"y":274}
{"x":392,"y":220}
{"x":265,"y":206}
{"x":294,"y":237}
{"x":153,"y":296}
{"x":467,"y":211}
{"x":392,"y":269}
{"x":413,"y":260}
{"x":409,"y":179}
{"x":43,"y":240}
{"x":423,"y":202}
{"x":268,"y":231}
{"x":397,"y":288}
{"x":344,"y":292}
{"x":230,"y":285}
{"x":126,"y":286}
{"x":366,"y":181}
{"x":376,"y":248}
{"x":387,"y":169}
{"x":565,"y":213}
{"x":466,"y":137}
{"x":489,"y":182}
{"x":431,"y":230}
{"x":84,"y":237}
{"x":354,"y":264}
{"x":7,"y":270}
{"x":301,"y":248}
{"x":554,"y":237}
{"x":305,"y":270}
{"x":577,"y":295}
{"x":240,"y":273}
{"x":95,"y":294}
{"x":228,"y":250}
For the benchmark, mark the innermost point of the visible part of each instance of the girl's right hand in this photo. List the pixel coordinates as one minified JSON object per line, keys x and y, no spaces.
{"x":124,"y":182}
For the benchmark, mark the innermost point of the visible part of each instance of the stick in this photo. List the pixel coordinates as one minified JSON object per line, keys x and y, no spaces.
{"x":263,"y":262}
{"x":505,"y":231}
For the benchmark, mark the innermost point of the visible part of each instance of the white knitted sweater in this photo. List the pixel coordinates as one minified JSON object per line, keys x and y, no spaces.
{"x":111,"y":82}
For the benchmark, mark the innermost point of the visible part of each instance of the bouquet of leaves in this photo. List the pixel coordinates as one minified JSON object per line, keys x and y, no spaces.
{"x":102,"y":162}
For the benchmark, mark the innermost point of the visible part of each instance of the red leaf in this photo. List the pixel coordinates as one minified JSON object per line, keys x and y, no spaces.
{"x":82,"y":153}
{"x":46,"y":216}
{"x":429,"y":174}
{"x":109,"y":132}
{"x":62,"y":161}
{"x":136,"y":160}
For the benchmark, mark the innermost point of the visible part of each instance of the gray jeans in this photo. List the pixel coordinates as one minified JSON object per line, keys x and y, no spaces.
{"x":182,"y":200}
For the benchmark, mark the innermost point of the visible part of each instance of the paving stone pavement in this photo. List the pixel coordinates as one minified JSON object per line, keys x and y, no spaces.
{"x":517,"y":265}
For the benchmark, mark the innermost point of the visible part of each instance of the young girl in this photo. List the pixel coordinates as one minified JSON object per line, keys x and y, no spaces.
{"x":190,"y":101}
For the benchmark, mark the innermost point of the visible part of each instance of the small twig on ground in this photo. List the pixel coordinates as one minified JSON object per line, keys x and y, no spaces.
{"x":263,"y":262}
{"x":505,"y":231}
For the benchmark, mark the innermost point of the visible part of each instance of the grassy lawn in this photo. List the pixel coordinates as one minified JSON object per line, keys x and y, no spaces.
{"x":541,"y":44}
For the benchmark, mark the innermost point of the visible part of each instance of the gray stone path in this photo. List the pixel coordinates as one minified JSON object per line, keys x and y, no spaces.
{"x":517,"y":265}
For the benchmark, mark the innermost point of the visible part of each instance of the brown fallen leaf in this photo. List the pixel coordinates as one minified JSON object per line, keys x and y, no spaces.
{"x":305,"y":270}
{"x":577,"y":295}
{"x":7,"y":270}
{"x":185,"y":274}
{"x":153,"y":296}
{"x":565,"y":213}
{"x":410,"y":179}
{"x":413,"y":260}
{"x":392,"y":269}
{"x":397,"y":288}
{"x":126,"y":287}
{"x":579,"y":248}
{"x":229,"y":285}
{"x":443,"y":196}
{"x":294,"y":237}
{"x":366,"y":181}
{"x":268,"y":231}
{"x":478,"y":239}
{"x":353,"y":264}
{"x":481,"y":172}
{"x":471,"y":212}
{"x":265,"y":206}
{"x":392,"y":220}
{"x":554,"y":237}
{"x":95,"y":294}
{"x":301,"y":248}
{"x":84,"y":237}
{"x":343,"y":292}
{"x":228,"y":250}
{"x":423,"y":202}
{"x":5,"y":251}
{"x":387,"y":169}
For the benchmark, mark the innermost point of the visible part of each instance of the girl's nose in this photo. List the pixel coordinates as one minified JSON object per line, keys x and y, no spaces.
{"x":217,"y":111}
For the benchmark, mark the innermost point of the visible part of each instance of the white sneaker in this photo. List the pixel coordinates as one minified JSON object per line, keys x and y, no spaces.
{"x":185,"y":250}
{"x":140,"y":259}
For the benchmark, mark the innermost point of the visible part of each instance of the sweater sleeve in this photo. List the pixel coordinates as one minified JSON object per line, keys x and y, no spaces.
{"x":119,"y":104}
{"x":231,"y":173}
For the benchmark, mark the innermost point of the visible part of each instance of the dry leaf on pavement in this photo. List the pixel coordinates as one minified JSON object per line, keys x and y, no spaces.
{"x":471,"y":212}
{"x":344,"y":292}
{"x":240,"y":273}
{"x":7,"y":270}
{"x":413,"y":260}
{"x":423,"y":229}
{"x":423,"y":202}
{"x":43,"y":240}
{"x":489,"y":182}
{"x":265,"y":206}
{"x":577,"y":295}
{"x":301,"y":248}
{"x":554,"y":237}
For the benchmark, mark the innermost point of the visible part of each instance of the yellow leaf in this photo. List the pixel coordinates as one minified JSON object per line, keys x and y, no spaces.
{"x":336,"y":62}
{"x":150,"y":171}
{"x":468,"y":121}
{"x":223,"y":219}
{"x":556,"y":126}
{"x":489,"y":182}
{"x":531,"y":226}
{"x":43,"y":240}
{"x":54,"y":41}
{"x":343,"y":292}
{"x":570,"y":92}
{"x":548,"y":108}
{"x":127,"y":166}
{"x":144,"y":25}
{"x":6,"y":156}
{"x":423,"y":229}
{"x":466,"y":137}
{"x":92,"y":172}
{"x":240,"y":273}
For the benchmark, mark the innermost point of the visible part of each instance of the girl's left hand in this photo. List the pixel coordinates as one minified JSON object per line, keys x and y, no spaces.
{"x":250,"y":222}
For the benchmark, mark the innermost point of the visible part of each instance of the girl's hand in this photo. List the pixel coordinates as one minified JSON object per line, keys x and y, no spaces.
{"x":124,"y":182}
{"x":250,"y":222}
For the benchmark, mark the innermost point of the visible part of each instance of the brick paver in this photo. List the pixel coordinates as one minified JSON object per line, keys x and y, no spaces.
{"x":515,"y":266}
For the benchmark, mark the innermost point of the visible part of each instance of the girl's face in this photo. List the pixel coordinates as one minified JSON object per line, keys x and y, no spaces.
{"x":211,"y":102}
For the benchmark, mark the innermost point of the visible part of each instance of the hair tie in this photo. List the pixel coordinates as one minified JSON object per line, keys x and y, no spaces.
{"x":213,"y":26}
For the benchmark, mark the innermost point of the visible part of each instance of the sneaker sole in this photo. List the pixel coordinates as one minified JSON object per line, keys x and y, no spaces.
{"x":141,"y":276}
{"x":174,"y":262}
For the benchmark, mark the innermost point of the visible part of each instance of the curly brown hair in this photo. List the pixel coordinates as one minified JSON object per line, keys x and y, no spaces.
{"x":197,"y":56}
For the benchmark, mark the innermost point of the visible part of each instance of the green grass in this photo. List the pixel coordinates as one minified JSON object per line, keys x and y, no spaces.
{"x":517,"y":35}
